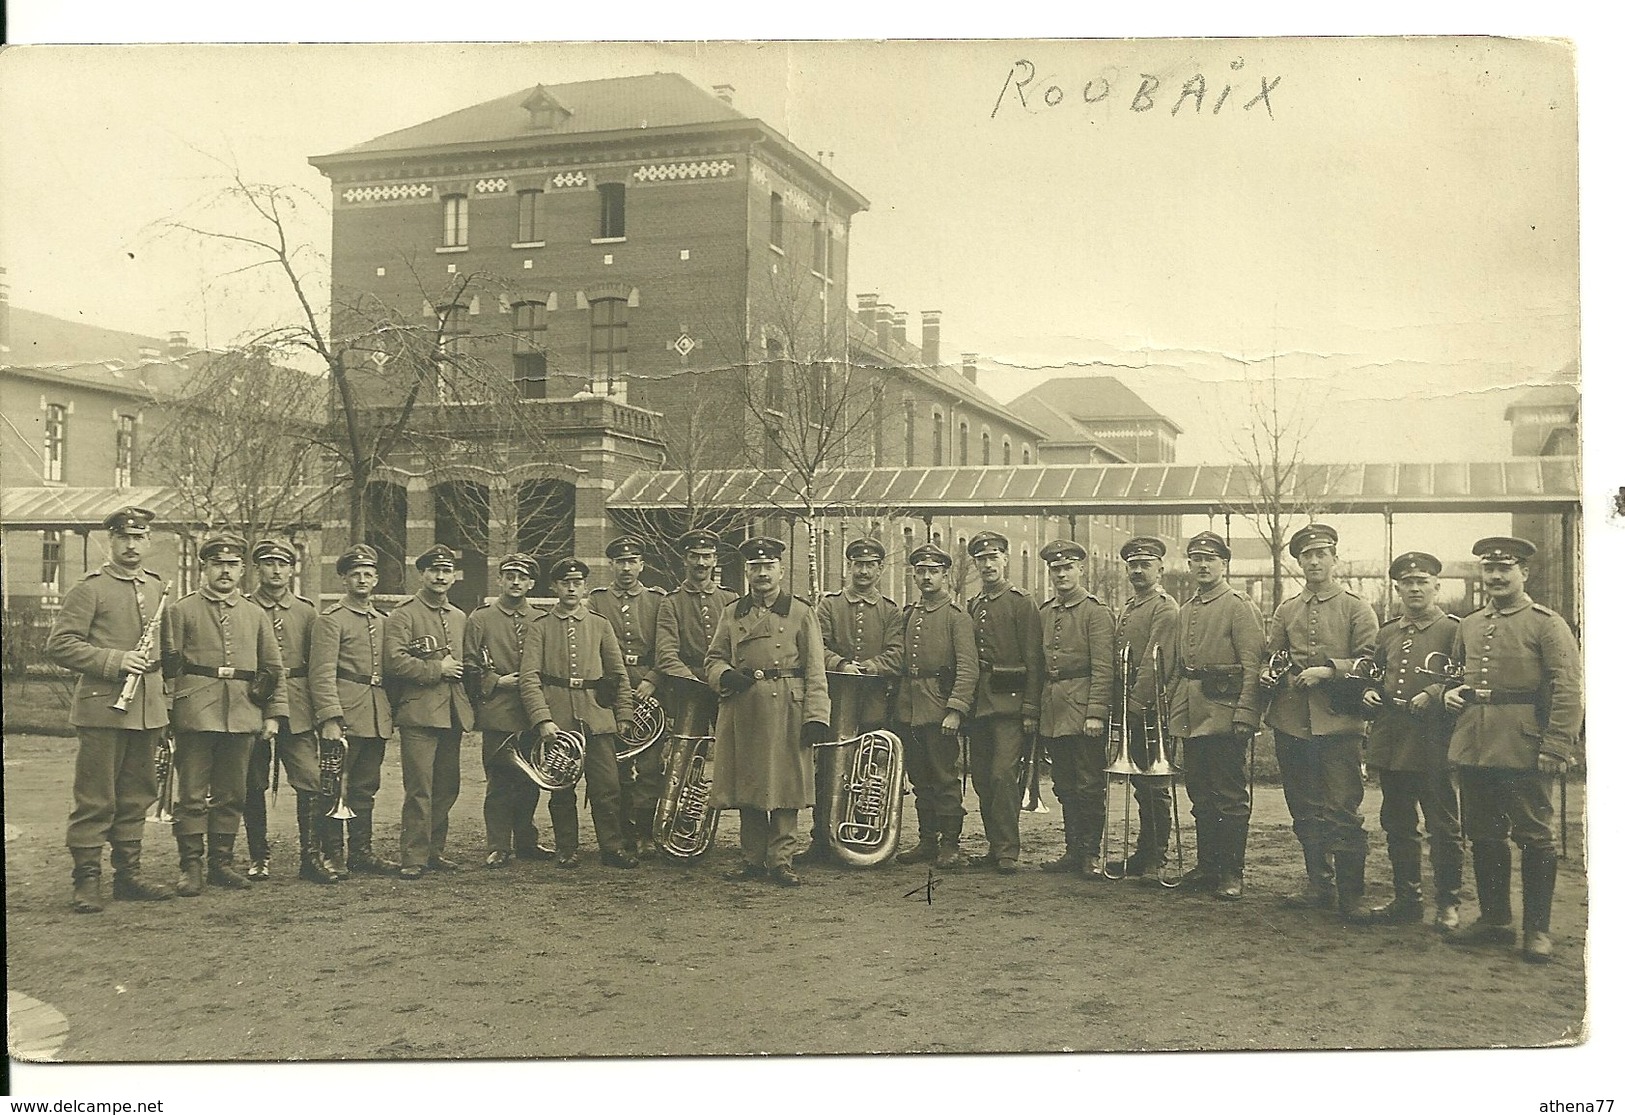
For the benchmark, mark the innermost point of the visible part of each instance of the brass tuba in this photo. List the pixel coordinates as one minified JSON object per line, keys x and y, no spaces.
{"x":684,"y":822}
{"x":866,"y":800}
{"x":331,"y":758}
{"x":551,"y":766}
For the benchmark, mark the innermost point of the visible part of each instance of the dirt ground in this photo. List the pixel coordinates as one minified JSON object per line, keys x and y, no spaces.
{"x":532,"y":961}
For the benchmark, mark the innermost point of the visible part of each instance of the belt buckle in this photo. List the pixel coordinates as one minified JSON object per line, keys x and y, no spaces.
{"x":633,"y":659}
{"x":1482,"y":695}
{"x":577,"y":683}
{"x":759,"y":675}
{"x":224,"y":672}
{"x":375,"y":680}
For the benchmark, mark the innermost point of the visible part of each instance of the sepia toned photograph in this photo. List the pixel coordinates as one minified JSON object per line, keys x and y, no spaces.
{"x":560,"y":551}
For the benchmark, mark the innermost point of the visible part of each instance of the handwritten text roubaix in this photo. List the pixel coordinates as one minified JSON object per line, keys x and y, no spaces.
{"x":1024,"y":90}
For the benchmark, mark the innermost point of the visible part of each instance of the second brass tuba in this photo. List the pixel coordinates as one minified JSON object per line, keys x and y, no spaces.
{"x":684,"y":822}
{"x":866,"y":802}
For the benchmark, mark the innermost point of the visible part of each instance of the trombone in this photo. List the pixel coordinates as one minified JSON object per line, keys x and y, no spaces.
{"x":1153,"y":725}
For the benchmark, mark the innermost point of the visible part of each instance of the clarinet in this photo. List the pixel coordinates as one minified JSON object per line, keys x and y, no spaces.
{"x":149,"y":640}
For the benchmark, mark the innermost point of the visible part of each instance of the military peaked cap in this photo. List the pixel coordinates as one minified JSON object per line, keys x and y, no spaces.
{"x":626,"y":546}
{"x":519,"y":563}
{"x":865,"y":549}
{"x":356,"y":557}
{"x":1062,"y":549}
{"x":437,"y":555}
{"x":1500,"y":549}
{"x":1143,"y":547}
{"x":570,"y":569}
{"x":1207,"y":543}
{"x":758,"y":551}
{"x":699,"y":542}
{"x":1414,"y":562}
{"x":130,"y":520}
{"x":224,"y":545}
{"x":987,"y":541}
{"x":273,"y":548}
{"x":1315,"y":534}
{"x":931,"y":556}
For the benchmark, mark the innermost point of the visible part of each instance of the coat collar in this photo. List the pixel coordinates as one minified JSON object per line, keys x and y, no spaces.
{"x":1213,"y":593}
{"x":1433,"y":615}
{"x":264,"y":601}
{"x":1329,"y":590}
{"x":852,"y":597}
{"x":781,"y":606}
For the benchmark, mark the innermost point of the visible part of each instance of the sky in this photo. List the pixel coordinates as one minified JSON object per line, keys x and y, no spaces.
{"x":1402,"y":227}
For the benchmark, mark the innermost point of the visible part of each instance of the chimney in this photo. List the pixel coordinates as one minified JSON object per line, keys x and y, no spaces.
{"x":883,"y":324}
{"x":931,"y":337}
{"x":179,"y":345}
{"x":149,"y":354}
{"x":725,"y":93}
{"x":967,"y":365}
{"x":866,"y":309}
{"x":899,"y":328}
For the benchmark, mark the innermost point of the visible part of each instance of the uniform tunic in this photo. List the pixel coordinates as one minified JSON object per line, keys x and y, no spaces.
{"x":1401,"y":739}
{"x":1079,"y":664}
{"x":102,"y":617}
{"x":1010,"y":654}
{"x":114,"y":781}
{"x":1222,"y":628}
{"x":347,"y":670}
{"x":424,"y":699}
{"x":939,"y":669}
{"x":494,"y":630}
{"x":633,"y":616}
{"x":760,"y":763}
{"x":1147,"y":622}
{"x":867,"y":630}
{"x":1526,"y":649}
{"x":213,"y":632}
{"x":685,"y":623}
{"x":293,"y":619}
{"x":1332,"y":626}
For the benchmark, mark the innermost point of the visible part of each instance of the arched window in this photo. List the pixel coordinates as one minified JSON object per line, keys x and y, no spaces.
{"x":530,"y":350}
{"x":987,"y":448}
{"x":936,"y":437}
{"x":1026,"y":455}
{"x":607,"y":360}
{"x":1006,"y":450}
{"x":964,"y":443}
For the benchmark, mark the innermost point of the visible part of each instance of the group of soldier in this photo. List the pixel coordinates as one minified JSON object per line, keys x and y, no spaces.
{"x":262,"y":684}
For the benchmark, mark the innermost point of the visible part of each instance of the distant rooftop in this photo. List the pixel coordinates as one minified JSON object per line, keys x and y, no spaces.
{"x":1065,"y":406}
{"x":65,"y":351}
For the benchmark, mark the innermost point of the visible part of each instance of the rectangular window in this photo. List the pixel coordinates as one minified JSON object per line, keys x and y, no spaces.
{"x":530,"y":350}
{"x":775,"y":230}
{"x":936,"y":439}
{"x":50,"y":566}
{"x":611,"y":210}
{"x":454,"y":332}
{"x":829,"y":253}
{"x":124,"y":452}
{"x":908,"y":434}
{"x":773,"y":383}
{"x":530,"y":217}
{"x":454,"y":233}
{"x":818,"y":247}
{"x":56,"y":441}
{"x":608,"y":353}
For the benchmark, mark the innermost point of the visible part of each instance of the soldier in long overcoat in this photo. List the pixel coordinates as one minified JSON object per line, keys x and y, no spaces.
{"x":98,"y":635}
{"x":767,"y":662}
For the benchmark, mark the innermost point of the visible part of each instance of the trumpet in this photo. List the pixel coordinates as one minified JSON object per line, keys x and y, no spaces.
{"x":1440,"y":665}
{"x":552,"y":766}
{"x":163,"y":762}
{"x":334,"y":781}
{"x":1277,"y":668}
{"x":1349,"y":690}
{"x":147,"y":643}
{"x":426,"y":647}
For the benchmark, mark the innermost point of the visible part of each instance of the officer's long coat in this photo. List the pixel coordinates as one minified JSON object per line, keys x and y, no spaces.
{"x":760,"y":763}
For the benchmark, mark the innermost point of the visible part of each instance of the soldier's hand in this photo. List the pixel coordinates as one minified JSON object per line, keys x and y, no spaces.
{"x":1454,"y":700}
{"x":451,"y":669}
{"x":1550,"y":764}
{"x":1421,"y":701}
{"x":951,"y":721}
{"x":1372,"y":699}
{"x":624,"y":727}
{"x":814,"y":732}
{"x":508,"y":681}
{"x":269,"y":729}
{"x":548,"y":730}
{"x":1313,"y":676}
{"x":1093,"y":726}
{"x":1244,"y":732}
{"x":1029,"y":725}
{"x":734,"y":683}
{"x":332,"y":730}
{"x":135,"y":662}
{"x":850,"y":668}
{"x":646,"y":689}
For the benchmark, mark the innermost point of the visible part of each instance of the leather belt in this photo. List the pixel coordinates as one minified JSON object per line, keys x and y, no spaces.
{"x":1209,"y":671}
{"x":1503,"y":696}
{"x":360,"y":679}
{"x":1072,"y":675}
{"x":567,"y":683}
{"x":298,"y":672}
{"x":944,"y":672}
{"x":224,"y":673}
{"x":773,"y":675}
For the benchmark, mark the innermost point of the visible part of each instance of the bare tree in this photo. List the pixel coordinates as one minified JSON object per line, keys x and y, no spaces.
{"x":1283,"y":489}
{"x":408,"y":388}
{"x":243,"y":446}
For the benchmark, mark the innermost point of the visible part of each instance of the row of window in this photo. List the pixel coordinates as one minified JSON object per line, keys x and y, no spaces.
{"x":607,"y":344}
{"x":939,"y":445}
{"x":56,"y":447}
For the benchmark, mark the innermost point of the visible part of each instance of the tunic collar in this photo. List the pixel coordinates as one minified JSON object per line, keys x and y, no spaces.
{"x":214,"y":597}
{"x":1137,"y":600}
{"x":579,"y":615}
{"x":421,"y":599}
{"x":1433,"y":615}
{"x":524,"y":609}
{"x":779,"y":607}
{"x":1524,"y":601}
{"x":932,"y":605}
{"x":1329,"y":590}
{"x":1213,"y":593}
{"x":710,"y":587}
{"x":854,"y":597}
{"x":265,"y":601}
{"x":997,"y":590}
{"x":114,"y":571}
{"x":637,"y":589}
{"x":369,"y":609}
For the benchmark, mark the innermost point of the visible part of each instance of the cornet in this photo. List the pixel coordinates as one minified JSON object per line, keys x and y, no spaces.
{"x":331,"y":759}
{"x":1277,"y":668}
{"x":163,"y":762}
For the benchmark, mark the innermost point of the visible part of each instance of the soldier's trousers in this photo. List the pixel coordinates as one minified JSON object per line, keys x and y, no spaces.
{"x":1320,"y":777}
{"x":1405,"y":793}
{"x":364,"y":773}
{"x":114,"y":784}
{"x":432,"y":779}
{"x":604,"y":793}
{"x":1216,"y":783}
{"x":931,"y":760}
{"x":297,"y":756}
{"x":1154,"y":795}
{"x":1497,"y":802}
{"x":767,"y":838}
{"x":996,"y":744}
{"x":211,"y":778}
{"x":639,"y":778}
{"x":1078,"y":766}
{"x":510,"y":797}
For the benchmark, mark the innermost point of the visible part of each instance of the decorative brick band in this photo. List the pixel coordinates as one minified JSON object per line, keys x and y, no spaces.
{"x":672,"y":172}
{"x":569,"y":178}
{"x":491,"y":186}
{"x":388,"y":193}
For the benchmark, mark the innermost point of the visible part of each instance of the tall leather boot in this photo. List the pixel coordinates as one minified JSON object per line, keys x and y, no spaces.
{"x":1320,"y":892}
{"x":313,"y":864}
{"x":1206,"y":872}
{"x":923,"y":852}
{"x":1232,"y":850}
{"x":1539,"y":882}
{"x":87,"y":880}
{"x":949,"y":857}
{"x":329,"y":836}
{"x":1492,"y":875}
{"x":128,"y":886}
{"x":1348,"y":870}
{"x":363,"y":860}
{"x":221,"y":871}
{"x":1447,"y":888}
{"x":254,"y":833}
{"x":1406,"y":908}
{"x":190,"y":849}
{"x":1073,"y":857}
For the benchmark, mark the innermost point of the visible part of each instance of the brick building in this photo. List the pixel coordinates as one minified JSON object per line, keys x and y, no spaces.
{"x":1545,"y":422}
